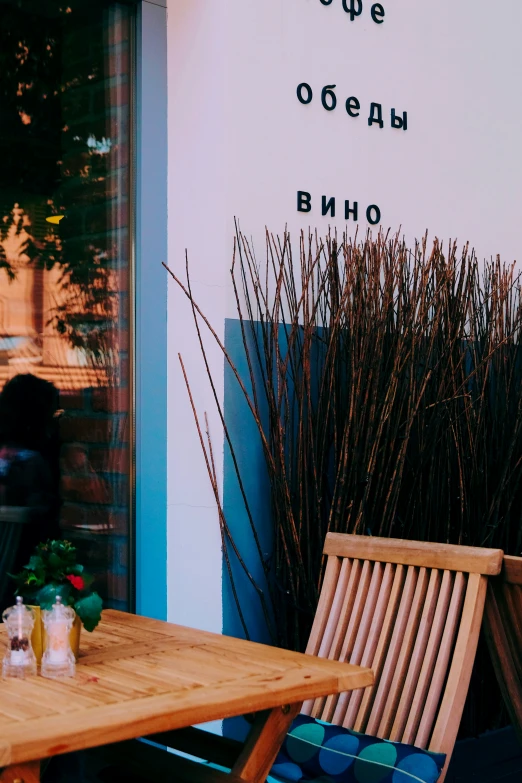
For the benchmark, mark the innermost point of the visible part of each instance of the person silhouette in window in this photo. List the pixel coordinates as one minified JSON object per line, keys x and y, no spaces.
{"x":29,"y":473}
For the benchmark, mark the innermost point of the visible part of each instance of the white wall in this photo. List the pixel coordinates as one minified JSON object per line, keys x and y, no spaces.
{"x":197,"y":210}
{"x":242,"y":145}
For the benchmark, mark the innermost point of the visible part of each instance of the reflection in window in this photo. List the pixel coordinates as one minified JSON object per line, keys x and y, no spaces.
{"x":65,"y":84}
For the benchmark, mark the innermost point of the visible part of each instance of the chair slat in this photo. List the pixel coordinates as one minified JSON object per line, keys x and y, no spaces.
{"x":393,"y":652}
{"x":429,"y":659}
{"x":372,"y":640}
{"x":346,"y":610}
{"x":512,"y":605}
{"x":361,"y":638}
{"x":503,"y":627}
{"x":334,"y":566}
{"x":335,"y":610}
{"x":377,"y":663}
{"x":331,"y":576}
{"x":357,"y":612}
{"x":417,"y":656}
{"x":506,"y":661}
{"x":340,"y":633}
{"x":441,"y":667}
{"x":370,"y":608}
{"x":455,"y":692}
{"x":351,"y":631}
{"x":408,"y":643}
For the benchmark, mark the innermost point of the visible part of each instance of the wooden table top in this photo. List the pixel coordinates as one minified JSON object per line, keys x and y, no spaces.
{"x":138,"y":676}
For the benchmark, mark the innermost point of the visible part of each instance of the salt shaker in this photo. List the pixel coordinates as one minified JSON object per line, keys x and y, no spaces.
{"x":19,"y":660}
{"x":58,"y":659}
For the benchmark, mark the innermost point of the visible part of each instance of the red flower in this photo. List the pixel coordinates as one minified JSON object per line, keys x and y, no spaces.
{"x":76,"y":581}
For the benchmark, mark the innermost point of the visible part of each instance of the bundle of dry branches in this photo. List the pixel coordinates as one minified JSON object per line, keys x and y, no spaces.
{"x":392,"y":377}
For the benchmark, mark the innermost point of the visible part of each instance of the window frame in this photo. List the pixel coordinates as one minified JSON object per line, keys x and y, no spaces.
{"x":149,"y":290}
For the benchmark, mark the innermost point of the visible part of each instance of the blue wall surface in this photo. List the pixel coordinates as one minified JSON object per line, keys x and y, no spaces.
{"x":246,"y":442}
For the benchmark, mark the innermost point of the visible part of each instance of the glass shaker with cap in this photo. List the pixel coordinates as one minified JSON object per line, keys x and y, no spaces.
{"x":19,"y":660}
{"x":58,"y":659}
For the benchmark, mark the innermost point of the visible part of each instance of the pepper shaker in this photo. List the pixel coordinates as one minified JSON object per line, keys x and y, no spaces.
{"x":19,"y":660}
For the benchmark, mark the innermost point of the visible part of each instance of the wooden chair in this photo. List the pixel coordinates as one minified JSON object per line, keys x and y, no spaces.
{"x":503,"y":629}
{"x":412,"y":612}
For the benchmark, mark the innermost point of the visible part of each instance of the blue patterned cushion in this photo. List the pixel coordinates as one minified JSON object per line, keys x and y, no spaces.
{"x":321,"y":752}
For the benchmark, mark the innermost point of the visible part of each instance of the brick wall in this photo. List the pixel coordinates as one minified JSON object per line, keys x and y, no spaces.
{"x":96,"y":457}
{"x":71,"y":299}
{"x":95,"y":463}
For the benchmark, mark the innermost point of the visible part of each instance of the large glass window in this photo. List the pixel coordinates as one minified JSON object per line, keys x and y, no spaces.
{"x":65,"y":253}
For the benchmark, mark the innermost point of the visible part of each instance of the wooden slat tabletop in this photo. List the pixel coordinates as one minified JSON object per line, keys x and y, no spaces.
{"x":138,"y":676}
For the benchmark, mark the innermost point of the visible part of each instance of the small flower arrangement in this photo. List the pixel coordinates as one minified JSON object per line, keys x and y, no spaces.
{"x":52,"y":570}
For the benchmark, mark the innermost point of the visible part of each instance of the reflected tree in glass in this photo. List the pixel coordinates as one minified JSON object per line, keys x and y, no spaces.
{"x":65,"y":75}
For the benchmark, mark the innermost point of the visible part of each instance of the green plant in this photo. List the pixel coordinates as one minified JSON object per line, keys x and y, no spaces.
{"x":53,"y":570}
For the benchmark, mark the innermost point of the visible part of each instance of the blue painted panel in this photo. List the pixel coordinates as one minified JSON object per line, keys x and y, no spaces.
{"x":249,"y":455}
{"x":247,"y":444}
{"x":151,"y":314}
{"x":246,"y":441}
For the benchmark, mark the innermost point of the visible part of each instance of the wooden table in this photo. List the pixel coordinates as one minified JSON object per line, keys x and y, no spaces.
{"x":137,"y":677}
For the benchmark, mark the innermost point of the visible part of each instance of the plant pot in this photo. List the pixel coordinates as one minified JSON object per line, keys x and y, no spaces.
{"x":38,"y":637}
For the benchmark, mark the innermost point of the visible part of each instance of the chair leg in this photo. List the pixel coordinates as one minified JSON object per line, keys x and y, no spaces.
{"x":263,"y":743}
{"x":253,"y":764}
{"x":496,"y":628}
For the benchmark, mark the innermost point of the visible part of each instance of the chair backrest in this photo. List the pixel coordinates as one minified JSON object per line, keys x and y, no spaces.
{"x":412,"y":612}
{"x":503,"y":627}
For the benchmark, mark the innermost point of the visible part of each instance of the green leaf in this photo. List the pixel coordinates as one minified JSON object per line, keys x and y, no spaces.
{"x":33,"y":580}
{"x":35,"y":563}
{"x":88,"y":579}
{"x":89,"y":610}
{"x":55,"y":561}
{"x":47,"y":595}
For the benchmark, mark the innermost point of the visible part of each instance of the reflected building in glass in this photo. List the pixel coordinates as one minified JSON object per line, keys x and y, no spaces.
{"x":65,"y":253}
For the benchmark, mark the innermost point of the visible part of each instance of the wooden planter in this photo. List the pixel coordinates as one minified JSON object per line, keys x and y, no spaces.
{"x":38,"y":637}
